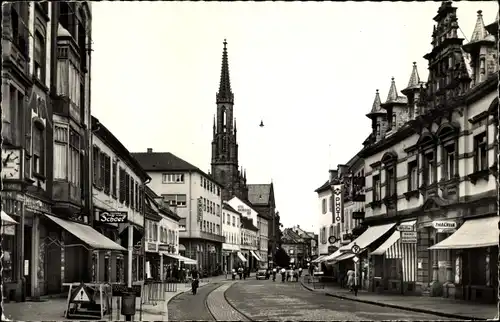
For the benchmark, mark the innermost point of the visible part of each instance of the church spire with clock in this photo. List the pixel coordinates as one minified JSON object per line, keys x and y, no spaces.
{"x":224,"y":145}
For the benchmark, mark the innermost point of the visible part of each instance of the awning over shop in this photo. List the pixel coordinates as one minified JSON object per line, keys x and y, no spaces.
{"x":230,"y":247}
{"x":319,"y":259}
{"x":257,"y":257}
{"x":389,"y":247}
{"x":474,"y":233}
{"x":368,"y":237}
{"x":331,"y":257}
{"x":7,"y":220}
{"x":182,"y":248}
{"x":186,"y":260}
{"x":173,"y":256}
{"x":241,"y":257}
{"x":343,"y":257}
{"x":87,"y":234}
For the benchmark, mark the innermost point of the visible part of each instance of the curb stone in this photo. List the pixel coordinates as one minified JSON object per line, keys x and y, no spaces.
{"x":400,"y":307}
{"x":226,"y":312}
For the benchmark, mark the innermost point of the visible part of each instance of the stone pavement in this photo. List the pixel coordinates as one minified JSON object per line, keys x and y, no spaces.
{"x":220,"y":308}
{"x":187,"y":306}
{"x":265,"y":300}
{"x":52,"y":309}
{"x":439,"y":306}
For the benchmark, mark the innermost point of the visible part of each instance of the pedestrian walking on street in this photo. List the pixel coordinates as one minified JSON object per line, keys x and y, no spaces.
{"x":274,"y":274}
{"x":300,"y":272}
{"x":240,"y":272}
{"x":195,"y":282}
{"x":283,"y":272}
{"x":350,"y":279}
{"x":233,"y":273}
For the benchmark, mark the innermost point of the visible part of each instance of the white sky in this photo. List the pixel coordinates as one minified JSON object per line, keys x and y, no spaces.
{"x":309,"y":70}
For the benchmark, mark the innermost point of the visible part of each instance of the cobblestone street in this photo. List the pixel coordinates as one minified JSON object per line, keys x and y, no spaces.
{"x":187,"y":306}
{"x":265,"y":300}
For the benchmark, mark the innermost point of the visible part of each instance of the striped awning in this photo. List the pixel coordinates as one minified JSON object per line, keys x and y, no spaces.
{"x":368,"y":237}
{"x":257,"y":257}
{"x":343,"y":257}
{"x":241,"y":257}
{"x":389,"y":247}
{"x":319,"y":259}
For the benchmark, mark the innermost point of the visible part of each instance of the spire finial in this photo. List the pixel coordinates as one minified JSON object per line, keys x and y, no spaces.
{"x":225,"y":95}
{"x":414,"y":77}
{"x":479,"y":32}
{"x":393,"y":93}
{"x":376,"y":103}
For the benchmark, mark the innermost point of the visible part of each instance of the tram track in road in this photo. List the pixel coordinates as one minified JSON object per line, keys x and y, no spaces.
{"x":220,"y":308}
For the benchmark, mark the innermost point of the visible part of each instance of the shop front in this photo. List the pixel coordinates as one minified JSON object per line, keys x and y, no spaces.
{"x":229,"y":256}
{"x":153,"y":262}
{"x":356,"y":255}
{"x":243,"y":259}
{"x":471,"y":267}
{"x":257,"y":261}
{"x":396,"y":260}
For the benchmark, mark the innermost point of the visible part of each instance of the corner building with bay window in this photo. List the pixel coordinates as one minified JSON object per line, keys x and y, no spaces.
{"x":431,"y":168}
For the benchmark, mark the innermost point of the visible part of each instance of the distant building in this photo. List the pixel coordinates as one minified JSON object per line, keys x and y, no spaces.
{"x":231,"y":229}
{"x":197,"y":199}
{"x":249,"y":244}
{"x":297,"y":244}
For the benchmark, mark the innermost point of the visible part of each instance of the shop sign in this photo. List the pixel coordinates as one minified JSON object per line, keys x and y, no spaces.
{"x":408,"y":237}
{"x":163,"y":248}
{"x":444,"y":226}
{"x":151,"y":247}
{"x":338,"y":205}
{"x":113,"y":217}
{"x":406,"y":227}
{"x":35,"y":205}
{"x":243,"y":209}
{"x":200,"y":210}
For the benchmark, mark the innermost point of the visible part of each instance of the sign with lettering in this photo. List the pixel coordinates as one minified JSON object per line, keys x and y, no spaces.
{"x":35,"y":205}
{"x":406,"y":227}
{"x":120,"y":289}
{"x":113,"y":216}
{"x":408,"y":237}
{"x":444,"y":224}
{"x":200,"y":210}
{"x":151,"y":247}
{"x":338,"y":205}
{"x":243,"y":209}
{"x":163,"y":248}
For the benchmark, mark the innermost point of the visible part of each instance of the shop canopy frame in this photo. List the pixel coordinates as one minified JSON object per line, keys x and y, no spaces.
{"x":257,"y":257}
{"x":474,"y":233}
{"x":241,"y":257}
{"x":91,"y":238}
{"x":7,"y":220}
{"x":185,"y":260}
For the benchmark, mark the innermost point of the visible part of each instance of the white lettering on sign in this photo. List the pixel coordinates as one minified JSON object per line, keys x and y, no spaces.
{"x":444,"y":224}
{"x":408,"y":237}
{"x":337,"y":202}
{"x":407,"y":227}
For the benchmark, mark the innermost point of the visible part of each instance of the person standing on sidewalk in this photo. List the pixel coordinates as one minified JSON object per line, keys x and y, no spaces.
{"x":350,"y":280}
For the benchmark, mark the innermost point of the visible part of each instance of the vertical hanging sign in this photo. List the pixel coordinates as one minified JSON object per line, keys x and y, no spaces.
{"x":338,"y":203}
{"x":200,"y":210}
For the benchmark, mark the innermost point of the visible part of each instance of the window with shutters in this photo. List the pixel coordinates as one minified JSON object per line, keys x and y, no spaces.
{"x":107,"y":174}
{"x":102,"y":169}
{"x":122,"y":185}
{"x":127,"y":189}
{"x":136,"y":196}
{"x":132,"y":193}
{"x":95,"y":165}
{"x":114,"y":175}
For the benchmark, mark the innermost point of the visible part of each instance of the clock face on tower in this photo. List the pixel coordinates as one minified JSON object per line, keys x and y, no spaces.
{"x":11,"y":164}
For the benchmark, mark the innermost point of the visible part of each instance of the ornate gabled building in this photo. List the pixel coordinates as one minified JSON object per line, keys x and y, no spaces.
{"x":224,"y":144}
{"x":430,"y":173}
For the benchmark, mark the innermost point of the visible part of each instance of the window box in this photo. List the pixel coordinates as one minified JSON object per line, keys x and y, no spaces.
{"x":375,"y":204}
{"x":411,"y":194}
{"x":478,"y":175}
{"x":391,"y":200}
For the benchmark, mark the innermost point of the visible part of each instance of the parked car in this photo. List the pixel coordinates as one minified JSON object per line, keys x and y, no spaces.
{"x":262,"y":274}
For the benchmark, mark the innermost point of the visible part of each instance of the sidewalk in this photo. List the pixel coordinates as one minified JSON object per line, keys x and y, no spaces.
{"x":439,"y":306}
{"x":52,"y":309}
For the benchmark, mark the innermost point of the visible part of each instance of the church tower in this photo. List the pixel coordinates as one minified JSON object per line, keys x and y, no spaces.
{"x":224,"y":145}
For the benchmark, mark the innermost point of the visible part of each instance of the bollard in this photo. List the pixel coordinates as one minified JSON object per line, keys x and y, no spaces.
{"x":128,"y":304}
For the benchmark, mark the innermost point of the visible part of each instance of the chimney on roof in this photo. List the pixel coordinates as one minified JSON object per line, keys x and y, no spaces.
{"x":333,"y":174}
{"x":150,"y":150}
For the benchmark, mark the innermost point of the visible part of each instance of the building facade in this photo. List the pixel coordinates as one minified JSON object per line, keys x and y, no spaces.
{"x":231,"y":229}
{"x":249,"y":244}
{"x":197,"y":199}
{"x":325,"y":218}
{"x":46,"y":117}
{"x":225,"y":167}
{"x":297,"y":245}
{"x":430,"y":167}
{"x":118,"y":183}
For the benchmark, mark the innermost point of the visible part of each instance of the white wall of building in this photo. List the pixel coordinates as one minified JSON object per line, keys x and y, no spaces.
{"x":325,"y":220}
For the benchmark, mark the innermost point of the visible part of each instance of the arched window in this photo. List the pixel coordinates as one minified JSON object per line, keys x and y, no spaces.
{"x":224,"y":119}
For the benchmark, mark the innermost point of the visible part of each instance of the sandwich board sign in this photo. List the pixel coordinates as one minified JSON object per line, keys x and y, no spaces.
{"x":81,"y":295}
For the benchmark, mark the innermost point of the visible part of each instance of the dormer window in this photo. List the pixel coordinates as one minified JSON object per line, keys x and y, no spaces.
{"x":394,"y":120}
{"x":378,"y":129}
